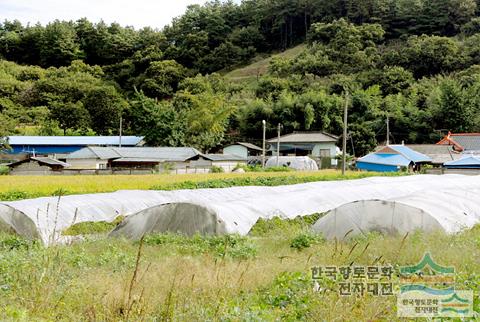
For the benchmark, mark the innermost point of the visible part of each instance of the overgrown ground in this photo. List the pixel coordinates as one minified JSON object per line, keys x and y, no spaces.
{"x":255,"y":278}
{"x":22,"y":187}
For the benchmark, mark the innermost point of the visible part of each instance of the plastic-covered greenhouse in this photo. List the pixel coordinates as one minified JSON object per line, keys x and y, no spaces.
{"x":449,"y":211}
{"x":219,"y":211}
{"x":297,"y":163}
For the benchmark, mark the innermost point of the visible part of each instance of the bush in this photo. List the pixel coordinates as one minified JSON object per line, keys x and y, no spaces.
{"x":4,"y":170}
{"x":305,"y":240}
{"x":14,"y":195}
{"x":277,"y":225}
{"x":215,"y":169}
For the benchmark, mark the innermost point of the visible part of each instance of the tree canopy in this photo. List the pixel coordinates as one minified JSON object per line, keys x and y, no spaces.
{"x":416,"y":62}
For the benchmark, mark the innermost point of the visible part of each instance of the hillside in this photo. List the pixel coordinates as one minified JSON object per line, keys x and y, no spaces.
{"x":259,"y":66}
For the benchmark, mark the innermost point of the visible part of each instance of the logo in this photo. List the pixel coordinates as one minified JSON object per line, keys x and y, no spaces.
{"x":428,"y":290}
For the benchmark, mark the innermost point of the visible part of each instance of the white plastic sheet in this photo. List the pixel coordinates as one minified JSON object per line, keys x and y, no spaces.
{"x":448,"y":210}
{"x":238,"y":207}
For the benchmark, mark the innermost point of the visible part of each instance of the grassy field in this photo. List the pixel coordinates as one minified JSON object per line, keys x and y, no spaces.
{"x":21,"y":187}
{"x":260,"y":67}
{"x":264,"y":277}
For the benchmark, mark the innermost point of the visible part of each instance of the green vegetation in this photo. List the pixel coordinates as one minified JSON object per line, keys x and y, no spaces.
{"x":23,"y":187}
{"x":88,"y":228}
{"x":416,"y":62}
{"x":173,"y":277}
{"x":261,"y":181}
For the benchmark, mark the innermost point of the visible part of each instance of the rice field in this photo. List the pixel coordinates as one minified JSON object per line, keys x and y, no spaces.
{"x":21,"y":187}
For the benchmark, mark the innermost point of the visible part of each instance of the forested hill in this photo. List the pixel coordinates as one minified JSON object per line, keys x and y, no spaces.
{"x":415,"y":60}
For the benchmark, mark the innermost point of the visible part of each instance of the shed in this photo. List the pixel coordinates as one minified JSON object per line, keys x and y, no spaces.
{"x":136,"y":157}
{"x":392,"y":158}
{"x":243,"y":149}
{"x":228,"y":162}
{"x":54,"y":145}
{"x":438,"y":153}
{"x":467,"y":162}
{"x":36,"y":166}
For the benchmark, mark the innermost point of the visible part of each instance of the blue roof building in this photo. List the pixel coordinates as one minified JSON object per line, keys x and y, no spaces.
{"x":392,"y":158}
{"x":467,"y":162}
{"x":45,"y":145}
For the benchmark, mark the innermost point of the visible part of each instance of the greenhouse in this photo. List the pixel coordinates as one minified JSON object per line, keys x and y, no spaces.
{"x":296,"y":163}
{"x":217,"y":211}
{"x":449,"y":211}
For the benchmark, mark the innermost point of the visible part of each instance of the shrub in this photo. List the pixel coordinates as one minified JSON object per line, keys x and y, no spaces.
{"x":4,"y":170}
{"x":14,"y":195}
{"x":276,"y":225}
{"x":305,"y":240}
{"x":215,"y":169}
{"x":89,"y":227}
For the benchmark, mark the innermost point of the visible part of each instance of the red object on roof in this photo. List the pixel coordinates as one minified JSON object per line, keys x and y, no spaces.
{"x":447,"y":140}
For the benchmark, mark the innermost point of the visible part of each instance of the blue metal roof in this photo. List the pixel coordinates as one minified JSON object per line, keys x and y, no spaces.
{"x":74,"y":140}
{"x":386,"y":159}
{"x":410,"y":154}
{"x":469,"y":160}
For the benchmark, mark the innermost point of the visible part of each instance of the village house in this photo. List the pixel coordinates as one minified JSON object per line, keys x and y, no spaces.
{"x":462,"y":142}
{"x":320,"y":146}
{"x":393,"y":158}
{"x":243,"y":149}
{"x":59,"y":146}
{"x":37,"y":166}
{"x":168,"y":159}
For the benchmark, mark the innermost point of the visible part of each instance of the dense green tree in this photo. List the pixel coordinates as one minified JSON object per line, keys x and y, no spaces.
{"x":70,"y":116}
{"x":161,"y":78}
{"x":58,"y":44}
{"x":105,"y":106}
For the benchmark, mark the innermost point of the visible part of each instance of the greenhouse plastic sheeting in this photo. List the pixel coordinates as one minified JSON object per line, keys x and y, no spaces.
{"x":235,"y":209}
{"x":450,"y":211}
{"x":297,"y":163}
{"x":239,"y":215}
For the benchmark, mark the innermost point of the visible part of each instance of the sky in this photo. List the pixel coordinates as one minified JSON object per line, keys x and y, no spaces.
{"x":137,"y":13}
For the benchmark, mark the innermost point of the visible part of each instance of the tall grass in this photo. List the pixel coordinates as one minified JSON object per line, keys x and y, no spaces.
{"x":176,"y":278}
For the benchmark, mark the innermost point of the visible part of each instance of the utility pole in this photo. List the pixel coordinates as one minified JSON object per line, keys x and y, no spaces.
{"x":278,"y":143}
{"x":120,"y":133}
{"x":264,"y":124}
{"x":345,"y":125}
{"x":388,"y":131}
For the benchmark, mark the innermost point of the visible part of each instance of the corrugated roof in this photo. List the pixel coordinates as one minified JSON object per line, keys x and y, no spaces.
{"x":74,"y":140}
{"x":386,"y":159}
{"x":438,"y":153}
{"x":224,"y":157}
{"x":306,"y":137}
{"x":42,"y":160}
{"x":250,"y":146}
{"x":469,"y":141}
{"x":408,"y":153}
{"x":146,"y":153}
{"x":50,"y":161}
{"x":469,"y":160}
